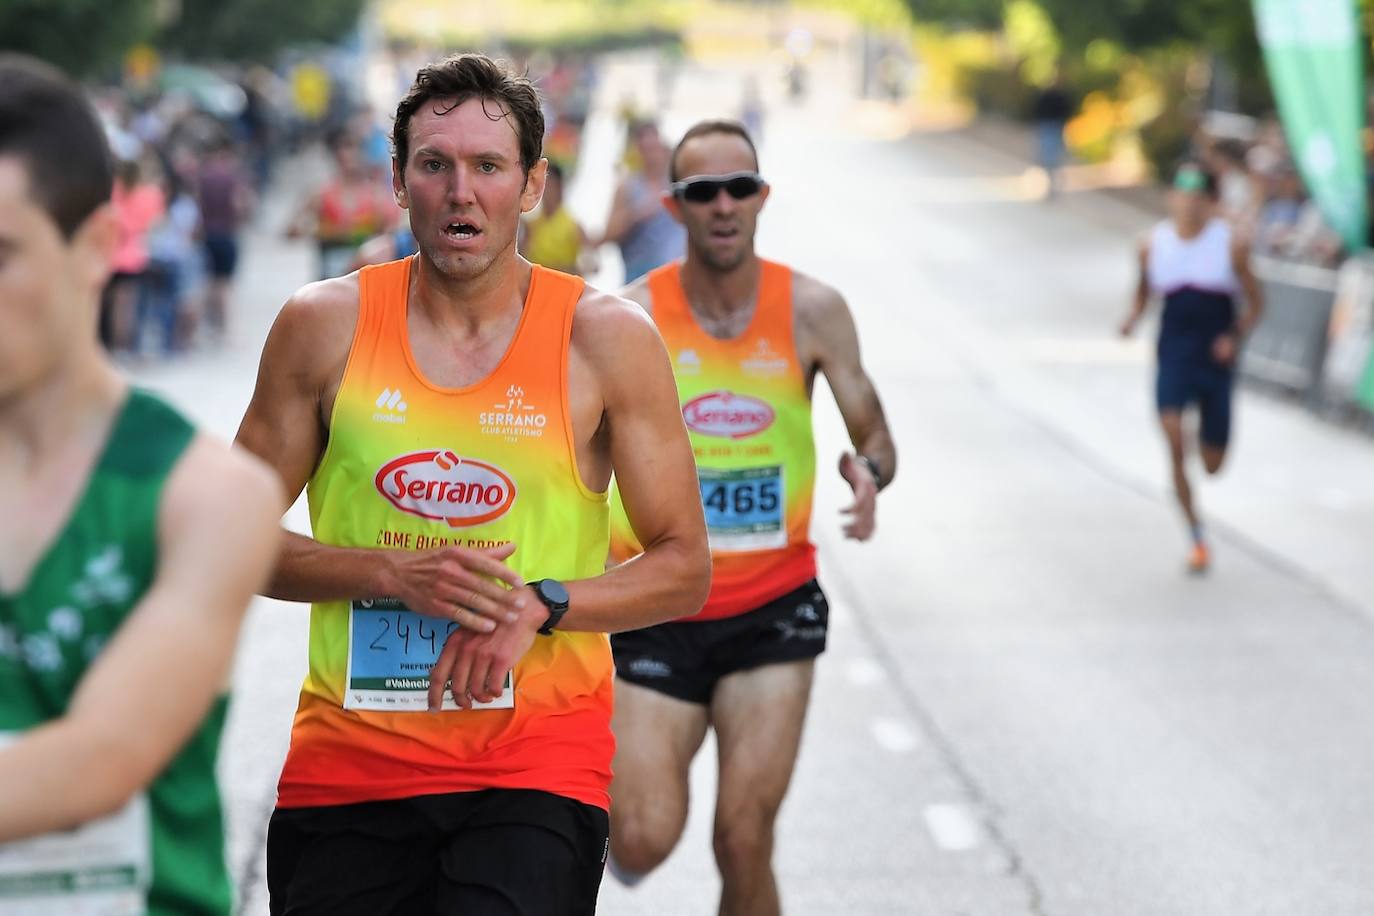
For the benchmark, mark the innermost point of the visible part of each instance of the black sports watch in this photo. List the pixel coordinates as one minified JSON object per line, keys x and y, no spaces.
{"x":873,"y":469}
{"x":555,"y":598}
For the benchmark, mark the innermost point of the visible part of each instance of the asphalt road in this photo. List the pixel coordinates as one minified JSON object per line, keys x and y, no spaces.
{"x":1026,"y":708}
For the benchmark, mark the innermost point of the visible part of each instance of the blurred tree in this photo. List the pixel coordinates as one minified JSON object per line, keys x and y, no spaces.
{"x":253,"y":30}
{"x":965,"y":13}
{"x":1226,"y":27}
{"x":83,"y":37}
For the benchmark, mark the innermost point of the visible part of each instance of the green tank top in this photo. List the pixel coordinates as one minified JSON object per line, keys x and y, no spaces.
{"x":163,"y":852}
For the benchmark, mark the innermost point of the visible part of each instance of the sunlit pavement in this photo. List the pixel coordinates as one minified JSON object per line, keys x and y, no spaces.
{"x":1026,"y":706}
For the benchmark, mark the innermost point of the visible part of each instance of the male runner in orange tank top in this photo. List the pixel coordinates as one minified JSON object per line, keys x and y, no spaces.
{"x":747,"y":337}
{"x":457,"y":417}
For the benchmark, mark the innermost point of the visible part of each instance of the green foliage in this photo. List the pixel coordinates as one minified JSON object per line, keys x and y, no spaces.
{"x":85,"y":38}
{"x":89,"y":38}
{"x":1226,"y":27}
{"x":1000,"y":90}
{"x":255,"y":30}
{"x":978,"y":14}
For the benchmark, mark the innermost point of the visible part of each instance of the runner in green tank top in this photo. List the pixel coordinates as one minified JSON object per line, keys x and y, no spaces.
{"x":129,"y":549}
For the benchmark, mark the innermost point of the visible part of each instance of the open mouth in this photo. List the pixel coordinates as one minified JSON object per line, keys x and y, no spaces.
{"x":724,"y":232}
{"x":461,"y":231}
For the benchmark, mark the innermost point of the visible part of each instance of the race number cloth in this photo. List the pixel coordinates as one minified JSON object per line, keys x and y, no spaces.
{"x":747,"y":408}
{"x":411,"y":465}
{"x":390,"y":651}
{"x":102,"y":868}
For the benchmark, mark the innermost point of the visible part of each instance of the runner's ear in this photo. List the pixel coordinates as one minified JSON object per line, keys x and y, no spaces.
{"x":398,"y":183}
{"x":672,"y":205}
{"x":94,"y":245}
{"x":534,"y":186}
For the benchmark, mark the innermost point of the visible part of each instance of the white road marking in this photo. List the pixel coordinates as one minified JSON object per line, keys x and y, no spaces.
{"x":953,"y":827}
{"x":894,"y":735}
{"x":864,"y":672}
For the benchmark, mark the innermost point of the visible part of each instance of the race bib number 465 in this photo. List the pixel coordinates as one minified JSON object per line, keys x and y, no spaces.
{"x":390,"y":651}
{"x":744,"y":508}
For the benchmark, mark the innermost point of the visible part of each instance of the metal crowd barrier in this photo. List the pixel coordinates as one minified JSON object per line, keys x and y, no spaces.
{"x":1288,"y":348}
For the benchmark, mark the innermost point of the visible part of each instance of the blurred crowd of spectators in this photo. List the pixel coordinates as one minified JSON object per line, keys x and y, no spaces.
{"x":1262,"y":194}
{"x":194,"y":148}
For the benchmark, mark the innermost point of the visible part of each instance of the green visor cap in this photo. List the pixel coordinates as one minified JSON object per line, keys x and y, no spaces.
{"x":1190,"y":179}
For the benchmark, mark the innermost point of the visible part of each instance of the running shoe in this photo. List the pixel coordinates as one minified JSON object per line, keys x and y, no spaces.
{"x":1199,"y":559}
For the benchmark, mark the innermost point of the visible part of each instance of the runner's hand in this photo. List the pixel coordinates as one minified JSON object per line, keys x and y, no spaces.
{"x":474,"y":587}
{"x":1128,"y":326}
{"x":477,"y":663}
{"x":1224,"y":349}
{"x":862,"y":513}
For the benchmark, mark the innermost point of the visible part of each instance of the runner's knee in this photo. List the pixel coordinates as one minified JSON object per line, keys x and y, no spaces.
{"x":744,"y":840}
{"x":1213,"y":457}
{"x":639,"y":845}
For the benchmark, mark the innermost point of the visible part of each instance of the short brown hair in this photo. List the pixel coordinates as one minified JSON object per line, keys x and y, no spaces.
{"x":467,"y":76}
{"x":711,"y":126}
{"x":48,"y":124}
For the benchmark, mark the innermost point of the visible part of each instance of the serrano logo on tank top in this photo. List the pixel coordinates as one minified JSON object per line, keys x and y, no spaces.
{"x":440,"y":485}
{"x":727,"y":415}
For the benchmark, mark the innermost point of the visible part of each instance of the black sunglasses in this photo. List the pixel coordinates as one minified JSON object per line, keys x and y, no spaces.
{"x":703,"y":189}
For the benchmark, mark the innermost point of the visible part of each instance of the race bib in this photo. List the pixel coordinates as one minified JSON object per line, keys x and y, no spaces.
{"x":390,"y":651}
{"x":102,"y":868}
{"x":744,"y":508}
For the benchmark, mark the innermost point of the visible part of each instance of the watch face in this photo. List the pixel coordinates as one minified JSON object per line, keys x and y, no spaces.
{"x":553,"y":592}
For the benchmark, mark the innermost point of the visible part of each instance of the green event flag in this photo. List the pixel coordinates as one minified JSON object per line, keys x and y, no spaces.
{"x":1364,"y":393}
{"x":1312,"y":51}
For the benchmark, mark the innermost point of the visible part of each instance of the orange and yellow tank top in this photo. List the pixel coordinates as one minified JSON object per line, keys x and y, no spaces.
{"x":414,"y":466}
{"x":748,"y":413}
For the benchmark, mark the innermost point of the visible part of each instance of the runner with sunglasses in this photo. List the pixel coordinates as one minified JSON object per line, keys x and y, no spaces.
{"x":747,"y":337}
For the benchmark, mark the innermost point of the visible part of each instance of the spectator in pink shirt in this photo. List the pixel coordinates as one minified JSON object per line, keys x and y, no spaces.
{"x":139,"y":205}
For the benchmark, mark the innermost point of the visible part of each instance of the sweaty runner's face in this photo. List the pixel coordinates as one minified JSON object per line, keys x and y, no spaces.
{"x":464,"y":185}
{"x":721,"y":231}
{"x":48,"y":284}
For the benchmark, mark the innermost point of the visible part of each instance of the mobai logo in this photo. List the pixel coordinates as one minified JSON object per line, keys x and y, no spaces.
{"x":728,"y":415}
{"x":442,"y":486}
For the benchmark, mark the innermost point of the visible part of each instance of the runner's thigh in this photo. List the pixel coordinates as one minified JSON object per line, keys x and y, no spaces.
{"x":656,"y":738}
{"x":758,"y":716}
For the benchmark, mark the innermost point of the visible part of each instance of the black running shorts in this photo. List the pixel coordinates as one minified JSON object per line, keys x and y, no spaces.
{"x":499,"y":852}
{"x":685,"y":659}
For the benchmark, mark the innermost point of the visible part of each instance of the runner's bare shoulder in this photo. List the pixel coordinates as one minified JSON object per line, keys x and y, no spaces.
{"x":249,"y":484}
{"x":813,"y":299}
{"x":242,"y":507}
{"x":617,"y":339}
{"x":313,"y":333}
{"x":820,"y":317}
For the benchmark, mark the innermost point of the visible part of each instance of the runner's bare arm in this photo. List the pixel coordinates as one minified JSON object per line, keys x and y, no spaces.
{"x":152,"y":685}
{"x":655,"y":472}
{"x":828,"y":340}
{"x":286,"y":425}
{"x":1250,"y":287}
{"x":1141,"y":301}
